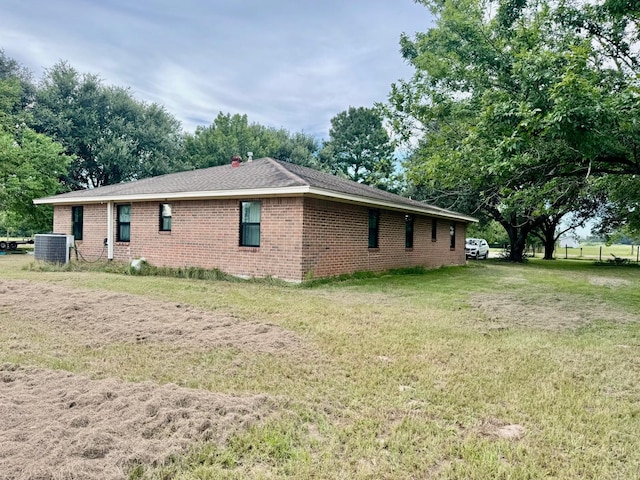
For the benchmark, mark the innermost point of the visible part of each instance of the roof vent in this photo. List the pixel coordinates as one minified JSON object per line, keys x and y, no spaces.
{"x":236,"y":160}
{"x":249,"y":156}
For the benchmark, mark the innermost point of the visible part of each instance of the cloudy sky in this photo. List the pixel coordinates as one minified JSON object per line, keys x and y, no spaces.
{"x":285,"y":63}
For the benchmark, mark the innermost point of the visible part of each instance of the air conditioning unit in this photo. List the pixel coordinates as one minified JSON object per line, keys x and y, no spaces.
{"x":53,"y":247}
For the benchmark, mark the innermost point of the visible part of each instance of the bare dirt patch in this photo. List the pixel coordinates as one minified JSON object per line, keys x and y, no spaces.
{"x":57,"y":425}
{"x":102,"y":318}
{"x":544,"y":311}
{"x":499,"y":430}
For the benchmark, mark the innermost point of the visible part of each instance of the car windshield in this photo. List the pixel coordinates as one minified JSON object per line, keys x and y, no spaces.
{"x":472,"y":241}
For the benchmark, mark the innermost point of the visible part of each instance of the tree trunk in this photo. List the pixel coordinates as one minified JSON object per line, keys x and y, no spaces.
{"x":549,"y":244}
{"x":517,"y":248}
{"x":517,"y":240}
{"x":548,"y":250}
{"x":547,"y":233}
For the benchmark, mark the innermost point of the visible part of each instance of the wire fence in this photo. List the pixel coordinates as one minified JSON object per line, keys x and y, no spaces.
{"x":599,"y":253}
{"x":602,"y":253}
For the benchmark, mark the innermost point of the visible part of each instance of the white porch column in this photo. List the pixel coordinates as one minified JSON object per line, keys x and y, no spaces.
{"x":110,"y":231}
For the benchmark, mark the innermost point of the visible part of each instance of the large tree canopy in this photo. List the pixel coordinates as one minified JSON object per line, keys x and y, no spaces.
{"x":17,"y":89}
{"x":31,"y":164}
{"x":359,"y":147}
{"x":230,"y":135}
{"x":521,"y":104}
{"x":113,"y":137}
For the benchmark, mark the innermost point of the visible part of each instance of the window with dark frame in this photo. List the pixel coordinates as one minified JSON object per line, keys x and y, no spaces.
{"x":434,"y":229}
{"x":452,"y":235}
{"x":124,"y":223}
{"x":408,"y":231}
{"x":77,"y":221}
{"x":374,"y":227}
{"x":165,"y":217}
{"x":250,"y":224}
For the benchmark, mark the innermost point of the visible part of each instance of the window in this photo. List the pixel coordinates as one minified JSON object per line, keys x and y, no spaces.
{"x":250,"y":224}
{"x":76,"y":220}
{"x":434,"y":229}
{"x":165,"y":217}
{"x":408,"y":231}
{"x":124,"y":223}
{"x":452,"y":235}
{"x":374,"y":224}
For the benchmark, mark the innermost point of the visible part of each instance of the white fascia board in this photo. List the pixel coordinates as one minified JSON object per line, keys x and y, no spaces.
{"x":256,"y":193}
{"x":426,"y":210}
{"x":149,"y":197}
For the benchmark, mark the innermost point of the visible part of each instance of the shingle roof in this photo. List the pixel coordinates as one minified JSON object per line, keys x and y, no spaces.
{"x":263,"y":175}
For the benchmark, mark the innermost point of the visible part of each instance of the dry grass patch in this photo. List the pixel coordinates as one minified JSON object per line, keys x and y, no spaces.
{"x":498,"y":429}
{"x":96,"y":318}
{"x":612,"y":282}
{"x":57,"y":425}
{"x":544,"y":310}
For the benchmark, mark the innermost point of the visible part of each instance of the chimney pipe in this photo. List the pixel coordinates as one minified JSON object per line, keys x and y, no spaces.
{"x":236,"y":160}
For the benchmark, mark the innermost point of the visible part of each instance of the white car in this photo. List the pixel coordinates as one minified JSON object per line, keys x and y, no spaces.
{"x":476,"y":248}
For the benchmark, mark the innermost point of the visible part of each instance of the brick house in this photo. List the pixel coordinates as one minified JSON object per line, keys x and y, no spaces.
{"x":259,"y":218}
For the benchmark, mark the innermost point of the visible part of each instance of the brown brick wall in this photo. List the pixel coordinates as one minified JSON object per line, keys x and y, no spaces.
{"x":94,"y":230}
{"x":205,"y":233}
{"x":336,"y":241}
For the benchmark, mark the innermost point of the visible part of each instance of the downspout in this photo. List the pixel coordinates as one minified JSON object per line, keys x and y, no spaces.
{"x":110,"y":231}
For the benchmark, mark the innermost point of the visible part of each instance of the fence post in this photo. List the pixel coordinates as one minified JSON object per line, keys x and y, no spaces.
{"x":600,"y":252}
{"x":566,"y":251}
{"x":580,"y":252}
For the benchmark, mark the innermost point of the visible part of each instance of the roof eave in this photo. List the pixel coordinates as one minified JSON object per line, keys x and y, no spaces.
{"x":150,"y":197}
{"x":255,"y":193}
{"x":361,"y":200}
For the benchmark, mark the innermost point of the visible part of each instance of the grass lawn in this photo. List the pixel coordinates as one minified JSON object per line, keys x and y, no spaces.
{"x":487,"y":371}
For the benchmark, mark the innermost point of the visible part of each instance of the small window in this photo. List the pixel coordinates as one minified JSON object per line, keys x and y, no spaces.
{"x":452,"y":235}
{"x":124,"y":223}
{"x":76,"y":220}
{"x":250,"y":224}
{"x":408,"y":231}
{"x":374,"y":226}
{"x":165,"y":217}
{"x":434,"y":229}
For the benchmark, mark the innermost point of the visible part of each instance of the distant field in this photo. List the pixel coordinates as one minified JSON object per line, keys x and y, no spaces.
{"x":586,"y":252}
{"x":594,"y":251}
{"x":491,"y":370}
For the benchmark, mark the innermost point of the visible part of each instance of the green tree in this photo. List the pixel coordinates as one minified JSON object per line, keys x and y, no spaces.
{"x":113,"y":137}
{"x":490,"y":230}
{"x":32,"y":165}
{"x":296,"y":147}
{"x":520,"y":108}
{"x":618,"y":205}
{"x":17,"y":90}
{"x":230,"y":135}
{"x":359,"y":147}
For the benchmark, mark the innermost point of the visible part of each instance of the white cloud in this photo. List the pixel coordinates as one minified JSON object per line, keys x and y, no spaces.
{"x":284,"y":64}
